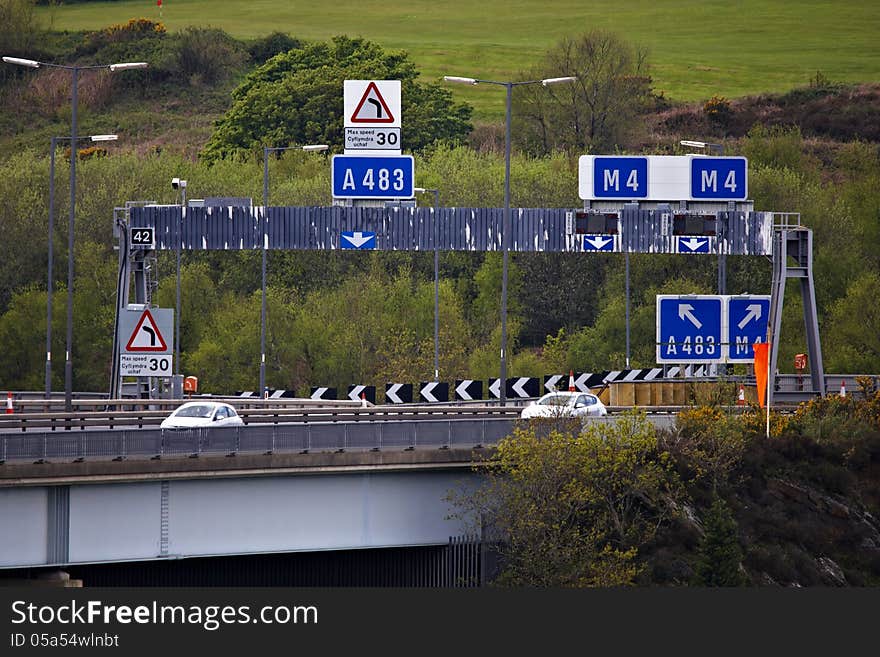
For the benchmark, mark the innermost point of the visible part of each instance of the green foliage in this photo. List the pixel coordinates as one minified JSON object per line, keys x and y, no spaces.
{"x":854,"y":349}
{"x":708,"y":446}
{"x":777,"y":147}
{"x":720,"y":554}
{"x":596,"y":113}
{"x":296,"y":98}
{"x":573,"y":510}
{"x":20,"y":32}
{"x":265,"y":48}
{"x":718,"y":110}
{"x":208,"y":55}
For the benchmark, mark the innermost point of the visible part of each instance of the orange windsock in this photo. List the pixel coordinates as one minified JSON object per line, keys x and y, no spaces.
{"x":762,"y":356}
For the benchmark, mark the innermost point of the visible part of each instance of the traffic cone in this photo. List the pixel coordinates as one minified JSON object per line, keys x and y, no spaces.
{"x":9,"y":408}
{"x":842,"y":390}
{"x":364,"y":399}
{"x":741,"y":397}
{"x":571,"y":380}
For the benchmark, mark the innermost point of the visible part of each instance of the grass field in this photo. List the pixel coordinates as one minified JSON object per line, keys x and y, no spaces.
{"x":697,"y":49}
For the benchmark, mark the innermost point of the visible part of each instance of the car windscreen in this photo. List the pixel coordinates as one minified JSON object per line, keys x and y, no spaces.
{"x":201,"y":410}
{"x":555,"y":400}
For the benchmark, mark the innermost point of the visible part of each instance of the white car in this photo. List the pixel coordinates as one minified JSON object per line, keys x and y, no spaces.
{"x":202,"y":414}
{"x":565,"y":404}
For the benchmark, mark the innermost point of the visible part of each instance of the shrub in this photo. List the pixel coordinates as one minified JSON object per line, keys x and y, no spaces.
{"x":718,"y":110}
{"x":208,"y":55}
{"x":264,"y":49}
{"x":720,"y":551}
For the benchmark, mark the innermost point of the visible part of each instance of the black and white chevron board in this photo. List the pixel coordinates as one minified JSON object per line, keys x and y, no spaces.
{"x":523,"y":387}
{"x":398,"y":393}
{"x":358,"y":393}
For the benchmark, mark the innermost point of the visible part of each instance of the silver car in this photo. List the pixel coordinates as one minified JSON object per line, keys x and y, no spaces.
{"x":202,"y":414}
{"x":565,"y":404}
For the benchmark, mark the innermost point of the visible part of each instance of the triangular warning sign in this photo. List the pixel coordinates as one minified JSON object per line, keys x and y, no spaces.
{"x":372,"y":108}
{"x":146,"y":336}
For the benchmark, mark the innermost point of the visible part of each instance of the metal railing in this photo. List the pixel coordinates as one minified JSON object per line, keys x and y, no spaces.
{"x":252,"y":412}
{"x":64,"y":447}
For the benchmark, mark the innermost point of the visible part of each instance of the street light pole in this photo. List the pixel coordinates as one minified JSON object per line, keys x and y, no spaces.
{"x":30,"y":63}
{"x":436,"y":192}
{"x":506,"y":222}
{"x":266,"y":151}
{"x":50,"y":274}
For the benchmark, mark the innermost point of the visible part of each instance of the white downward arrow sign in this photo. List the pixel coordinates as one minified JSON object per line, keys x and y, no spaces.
{"x":426,"y":391}
{"x":461,"y":389}
{"x":693,"y":243}
{"x":754,"y":313}
{"x":518,"y":386}
{"x":685,"y":311}
{"x":358,"y":239}
{"x":598,"y":242}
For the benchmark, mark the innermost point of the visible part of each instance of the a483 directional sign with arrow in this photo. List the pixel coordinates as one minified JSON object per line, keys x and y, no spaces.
{"x":710,"y":328}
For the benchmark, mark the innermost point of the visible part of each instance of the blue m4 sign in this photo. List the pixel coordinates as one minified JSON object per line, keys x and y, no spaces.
{"x":620,"y":177}
{"x":719,"y":178}
{"x":747,"y":319}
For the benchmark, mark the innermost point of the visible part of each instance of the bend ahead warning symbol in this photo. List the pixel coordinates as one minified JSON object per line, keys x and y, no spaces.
{"x":146,"y":336}
{"x":372,"y":107}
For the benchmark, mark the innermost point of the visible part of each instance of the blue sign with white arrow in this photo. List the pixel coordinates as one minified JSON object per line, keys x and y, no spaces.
{"x":689,"y":329}
{"x":357,"y":240}
{"x":747,"y":319}
{"x":693,"y":244}
{"x":620,"y":177}
{"x":719,"y":178}
{"x":598,"y":243}
{"x":372,"y":176}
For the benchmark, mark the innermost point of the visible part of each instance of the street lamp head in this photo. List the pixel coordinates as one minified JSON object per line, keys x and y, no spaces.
{"x":103,"y":137}
{"x":454,"y":78}
{"x":127,"y":65}
{"x":22,"y":62}
{"x":549,"y":81}
{"x":315,"y":147}
{"x":718,"y":148}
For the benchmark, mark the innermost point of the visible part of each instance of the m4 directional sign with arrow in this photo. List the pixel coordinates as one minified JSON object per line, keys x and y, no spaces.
{"x":747,"y":318}
{"x":689,"y":329}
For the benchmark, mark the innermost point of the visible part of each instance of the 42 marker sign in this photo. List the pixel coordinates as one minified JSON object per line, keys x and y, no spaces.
{"x":142,"y":238}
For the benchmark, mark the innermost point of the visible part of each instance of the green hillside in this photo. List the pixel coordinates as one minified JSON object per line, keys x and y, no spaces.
{"x":696,"y":49}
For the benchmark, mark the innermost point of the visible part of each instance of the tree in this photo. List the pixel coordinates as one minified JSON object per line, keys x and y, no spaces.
{"x":854,"y":349}
{"x":594,"y":114}
{"x":572,"y":509}
{"x":297,"y":98}
{"x":720,"y":552}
